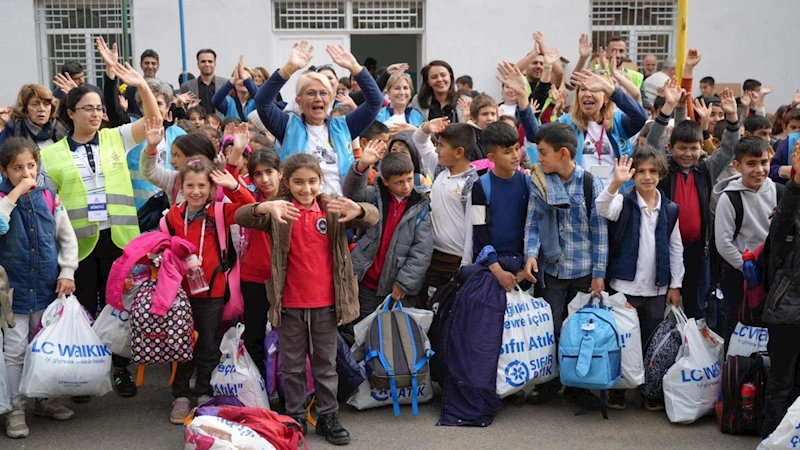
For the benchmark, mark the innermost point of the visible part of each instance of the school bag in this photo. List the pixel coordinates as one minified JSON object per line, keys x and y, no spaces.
{"x":736,"y":415}
{"x":152,"y":211}
{"x":161,"y":339}
{"x":660,"y":354}
{"x":397,"y":353}
{"x":589,"y":353}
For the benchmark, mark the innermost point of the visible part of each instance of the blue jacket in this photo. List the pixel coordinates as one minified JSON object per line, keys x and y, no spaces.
{"x":226,"y":104}
{"x":296,"y":141}
{"x":783,"y":156}
{"x":34,"y":271}
{"x":624,"y":236}
{"x":413,"y":117}
{"x":143,"y":189}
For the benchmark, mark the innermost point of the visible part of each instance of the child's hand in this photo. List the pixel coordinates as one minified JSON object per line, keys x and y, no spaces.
{"x":512,"y":77}
{"x":26,"y":185}
{"x":531,"y":266}
{"x":728,"y":103}
{"x":398,"y":293}
{"x":228,"y":131}
{"x":370,"y":155}
{"x":703,"y":112}
{"x":464,"y":104}
{"x":435,"y":126}
{"x":796,"y":162}
{"x":346,"y":100}
{"x":693,"y":57}
{"x":65,"y":286}
{"x":241,"y":136}
{"x":154,"y":131}
{"x":584,"y":46}
{"x":224,"y":179}
{"x":674,"y":297}
{"x":745,"y":100}
{"x":345,"y":207}
{"x":622,"y":173}
{"x":552,"y":56}
{"x":507,"y":280}
{"x":535,"y":107}
{"x":281,"y":210}
{"x":672,"y":92}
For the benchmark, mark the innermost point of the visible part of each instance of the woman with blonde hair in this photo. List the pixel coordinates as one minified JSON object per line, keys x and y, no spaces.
{"x":313,"y":131}
{"x":398,"y":115}
{"x":34,"y":117}
{"x":604,"y":118}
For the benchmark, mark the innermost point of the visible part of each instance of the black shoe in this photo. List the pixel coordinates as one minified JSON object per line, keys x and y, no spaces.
{"x":616,"y":399}
{"x":543,"y":393}
{"x":329,"y":426}
{"x":303,"y":424}
{"x":582,"y":398}
{"x":80,"y":399}
{"x":517,"y":398}
{"x":124,"y":382}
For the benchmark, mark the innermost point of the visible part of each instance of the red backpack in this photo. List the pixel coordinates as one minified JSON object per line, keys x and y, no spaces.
{"x":281,"y":431}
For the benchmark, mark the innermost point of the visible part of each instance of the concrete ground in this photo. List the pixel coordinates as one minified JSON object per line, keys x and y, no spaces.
{"x":142,"y":422}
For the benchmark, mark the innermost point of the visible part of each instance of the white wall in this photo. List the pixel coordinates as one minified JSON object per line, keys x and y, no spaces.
{"x":18,"y":46}
{"x":739,"y":40}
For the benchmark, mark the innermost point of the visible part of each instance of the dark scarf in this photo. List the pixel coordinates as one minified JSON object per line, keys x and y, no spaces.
{"x":50,"y":130}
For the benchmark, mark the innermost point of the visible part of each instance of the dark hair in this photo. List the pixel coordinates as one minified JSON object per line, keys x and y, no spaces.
{"x":753,"y":123}
{"x":197,"y":109}
{"x":646,"y":129}
{"x":426,"y":91}
{"x":712,"y":100}
{"x":687,"y":131}
{"x":793,"y":114}
{"x":69,"y":102}
{"x":230,"y":120}
{"x":186,"y":126}
{"x":149,"y":53}
{"x":465,"y":79}
{"x":329,"y":67}
{"x":292,"y":165}
{"x":777,"y":120}
{"x":263,"y":157}
{"x":708,"y":80}
{"x":752,"y":146}
{"x":14,"y":147}
{"x":198,"y":164}
{"x":615,"y":39}
{"x":206,"y":50}
{"x":189,"y":76}
{"x":499,"y":135}
{"x":459,"y":135}
{"x":719,"y":129}
{"x":345,"y":81}
{"x":196,"y":144}
{"x":205,"y":128}
{"x":373,"y":130}
{"x":659,"y":102}
{"x":558,"y":135}
{"x":648,"y":153}
{"x":750,"y":84}
{"x":71,"y":68}
{"x":394,"y":164}
{"x":370,"y":63}
{"x":511,"y":118}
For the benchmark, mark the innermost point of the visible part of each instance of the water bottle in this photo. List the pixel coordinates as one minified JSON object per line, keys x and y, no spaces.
{"x":748,"y":405}
{"x":750,"y":268}
{"x":195,"y":276}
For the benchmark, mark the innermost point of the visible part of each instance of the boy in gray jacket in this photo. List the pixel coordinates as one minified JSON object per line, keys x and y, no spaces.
{"x":391,"y":258}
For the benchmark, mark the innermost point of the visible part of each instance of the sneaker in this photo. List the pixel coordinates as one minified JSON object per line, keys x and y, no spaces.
{"x":16,"y":427}
{"x":124,"y":382}
{"x":615,"y":399}
{"x":333,"y":431}
{"x":543,"y":393}
{"x":654,"y":406}
{"x":53,"y":409}
{"x":180,"y":410}
{"x":202,"y":399}
{"x":81,"y":399}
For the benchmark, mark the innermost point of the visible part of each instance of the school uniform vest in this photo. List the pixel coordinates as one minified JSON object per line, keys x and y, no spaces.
{"x":625,"y":239}
{"x":60,"y":167}
{"x":143,"y":189}
{"x":30,"y":252}
{"x":295,"y":141}
{"x":413,"y":117}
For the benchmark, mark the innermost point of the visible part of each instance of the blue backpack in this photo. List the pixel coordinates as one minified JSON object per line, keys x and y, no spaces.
{"x":589,"y":353}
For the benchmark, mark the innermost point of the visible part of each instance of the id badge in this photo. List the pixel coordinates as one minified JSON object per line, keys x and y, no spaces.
{"x":601,"y":171}
{"x":98,"y":208}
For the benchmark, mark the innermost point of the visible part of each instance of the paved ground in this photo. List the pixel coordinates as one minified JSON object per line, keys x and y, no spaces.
{"x":142,"y":423}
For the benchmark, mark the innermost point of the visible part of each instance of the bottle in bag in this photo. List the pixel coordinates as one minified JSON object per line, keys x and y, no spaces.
{"x":750,"y":268}
{"x":748,"y":405}
{"x":195,"y":277}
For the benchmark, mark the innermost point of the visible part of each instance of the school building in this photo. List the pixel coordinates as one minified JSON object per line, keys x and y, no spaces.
{"x":737,"y":38}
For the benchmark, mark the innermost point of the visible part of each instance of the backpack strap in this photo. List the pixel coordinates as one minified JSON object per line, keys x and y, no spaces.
{"x":222,"y":242}
{"x":738,"y":211}
{"x":486,"y":183}
{"x":780,"y":189}
{"x":588,"y":191}
{"x":176,"y":188}
{"x":467,"y":189}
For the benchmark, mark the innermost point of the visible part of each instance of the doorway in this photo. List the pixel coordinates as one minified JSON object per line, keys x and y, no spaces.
{"x":389,"y":49}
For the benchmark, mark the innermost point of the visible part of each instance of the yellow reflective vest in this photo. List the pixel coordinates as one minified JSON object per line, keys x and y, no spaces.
{"x":59,"y":166}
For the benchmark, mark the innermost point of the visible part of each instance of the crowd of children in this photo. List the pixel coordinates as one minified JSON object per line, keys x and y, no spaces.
{"x":658,"y":202}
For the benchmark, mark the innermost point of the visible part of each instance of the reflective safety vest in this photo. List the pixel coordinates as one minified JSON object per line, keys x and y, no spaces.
{"x":57,"y":162}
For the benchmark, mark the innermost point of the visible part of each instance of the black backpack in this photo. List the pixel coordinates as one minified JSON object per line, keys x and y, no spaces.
{"x":737,"y":371}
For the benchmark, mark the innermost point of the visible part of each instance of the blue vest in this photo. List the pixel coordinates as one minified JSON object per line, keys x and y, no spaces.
{"x":624,"y":239}
{"x":233,"y":112}
{"x":295,"y":140}
{"x":619,"y":140}
{"x":413,"y":117}
{"x":31,"y":244}
{"x":143,"y":189}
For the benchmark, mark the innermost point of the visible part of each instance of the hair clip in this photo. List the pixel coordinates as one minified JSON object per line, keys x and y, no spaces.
{"x":193,"y":161}
{"x":228,"y":140}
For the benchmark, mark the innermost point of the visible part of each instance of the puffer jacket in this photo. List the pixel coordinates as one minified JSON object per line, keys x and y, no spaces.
{"x":783,"y":274}
{"x":345,"y":284}
{"x":411,"y":245}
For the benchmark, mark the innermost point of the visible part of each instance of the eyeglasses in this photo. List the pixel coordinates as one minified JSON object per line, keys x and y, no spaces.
{"x":88,"y":109}
{"x":313,"y":94}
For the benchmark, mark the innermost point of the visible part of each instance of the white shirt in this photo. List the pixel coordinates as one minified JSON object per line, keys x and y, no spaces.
{"x":591,"y":138}
{"x":644,"y":282}
{"x":452,"y":226}
{"x":320,"y":147}
{"x":395,"y":119}
{"x":651,"y":85}
{"x":508,"y":110}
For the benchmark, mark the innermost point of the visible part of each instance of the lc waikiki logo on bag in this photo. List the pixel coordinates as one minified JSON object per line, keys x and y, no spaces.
{"x":237,"y":374}
{"x":528,"y":351}
{"x":747,"y":340}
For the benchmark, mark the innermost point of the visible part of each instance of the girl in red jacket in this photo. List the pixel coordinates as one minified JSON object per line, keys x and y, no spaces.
{"x":194,"y":220}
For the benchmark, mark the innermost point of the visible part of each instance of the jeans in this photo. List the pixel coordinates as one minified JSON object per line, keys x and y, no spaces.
{"x":207,"y":315}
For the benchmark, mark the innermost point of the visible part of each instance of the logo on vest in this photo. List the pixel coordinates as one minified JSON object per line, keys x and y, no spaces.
{"x":322,"y":225}
{"x":116,"y":161}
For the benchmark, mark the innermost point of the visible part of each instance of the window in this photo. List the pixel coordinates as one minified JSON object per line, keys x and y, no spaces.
{"x":647,"y":25}
{"x":348,"y":15}
{"x":68,"y":29}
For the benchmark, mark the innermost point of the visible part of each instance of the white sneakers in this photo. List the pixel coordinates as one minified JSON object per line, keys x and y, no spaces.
{"x":180,"y":410}
{"x":16,"y":427}
{"x":53,"y":409}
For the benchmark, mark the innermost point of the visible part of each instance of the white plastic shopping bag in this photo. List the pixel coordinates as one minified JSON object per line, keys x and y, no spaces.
{"x":368,"y":397}
{"x":237,"y":374}
{"x":747,"y":340}
{"x":216,"y":433}
{"x":5,"y":389}
{"x":423,"y":317}
{"x":113,"y":327}
{"x":528,"y":351}
{"x":630,"y":335}
{"x":787,"y":435}
{"x":713,"y":341}
{"x":692,"y":384}
{"x":66,"y":358}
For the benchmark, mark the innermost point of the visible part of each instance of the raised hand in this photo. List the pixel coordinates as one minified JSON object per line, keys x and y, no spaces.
{"x":346,"y":100}
{"x":344,"y":58}
{"x":154,"y":131}
{"x":241,"y":136}
{"x":558,"y":108}
{"x":766,"y":90}
{"x":129,"y":76}
{"x":109,"y":56}
{"x":603,"y":55}
{"x":703,"y":112}
{"x":592,"y":82}
{"x":183,"y":100}
{"x":435,"y":126}
{"x":796,"y":99}
{"x":345,"y":207}
{"x":241,"y":71}
{"x":693,"y":57}
{"x":64,"y":83}
{"x":552,"y":56}
{"x":584,"y":46}
{"x":228,"y":131}
{"x":5,"y":114}
{"x":280,"y":210}
{"x":623,"y":172}
{"x":745,"y":99}
{"x":796,"y":162}
{"x":397,"y":67}
{"x":370,"y":155}
{"x":224,"y":179}
{"x":301,"y":55}
{"x":672,"y":92}
{"x":538,"y":37}
{"x":728,"y":103}
{"x":512,"y":77}
{"x":464,"y":104}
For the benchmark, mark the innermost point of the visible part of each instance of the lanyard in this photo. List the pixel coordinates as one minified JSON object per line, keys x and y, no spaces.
{"x":85,"y":159}
{"x":202,"y":231}
{"x":599,"y":144}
